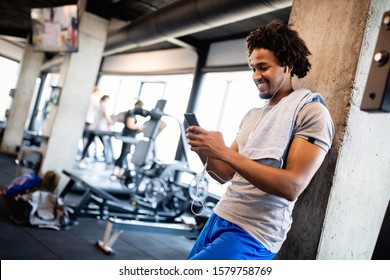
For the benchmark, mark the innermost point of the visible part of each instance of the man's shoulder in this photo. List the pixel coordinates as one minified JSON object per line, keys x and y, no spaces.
{"x":315,"y":114}
{"x":314,"y":108}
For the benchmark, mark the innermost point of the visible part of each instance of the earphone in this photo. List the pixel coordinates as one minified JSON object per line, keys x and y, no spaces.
{"x":284,"y":78}
{"x":197,"y":201}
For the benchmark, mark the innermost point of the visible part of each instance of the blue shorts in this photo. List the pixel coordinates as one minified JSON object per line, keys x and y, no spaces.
{"x":222,"y":240}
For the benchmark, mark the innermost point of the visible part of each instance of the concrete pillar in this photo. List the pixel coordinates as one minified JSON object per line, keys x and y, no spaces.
{"x":20,"y":107}
{"x":77,"y":78}
{"x":339,"y":216}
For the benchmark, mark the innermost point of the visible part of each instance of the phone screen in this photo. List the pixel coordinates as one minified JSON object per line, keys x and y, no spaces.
{"x":191,"y":119}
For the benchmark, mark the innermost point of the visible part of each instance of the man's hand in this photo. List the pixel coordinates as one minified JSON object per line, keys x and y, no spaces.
{"x":209,"y":144}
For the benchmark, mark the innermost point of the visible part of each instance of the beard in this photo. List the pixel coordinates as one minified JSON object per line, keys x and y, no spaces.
{"x":265,"y":95}
{"x":264,"y":90}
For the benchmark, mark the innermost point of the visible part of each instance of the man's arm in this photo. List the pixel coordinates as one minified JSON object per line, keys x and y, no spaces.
{"x":303,"y":161}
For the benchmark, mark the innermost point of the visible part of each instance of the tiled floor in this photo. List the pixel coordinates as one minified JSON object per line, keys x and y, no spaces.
{"x":79,"y":241}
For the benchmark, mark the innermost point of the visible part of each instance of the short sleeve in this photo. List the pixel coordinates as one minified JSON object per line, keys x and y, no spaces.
{"x":315,"y":124}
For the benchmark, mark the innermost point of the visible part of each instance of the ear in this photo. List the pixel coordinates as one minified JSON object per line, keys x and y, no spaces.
{"x":286,"y":70}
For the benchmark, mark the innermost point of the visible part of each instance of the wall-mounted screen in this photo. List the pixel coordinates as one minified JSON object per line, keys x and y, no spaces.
{"x":55,"y":29}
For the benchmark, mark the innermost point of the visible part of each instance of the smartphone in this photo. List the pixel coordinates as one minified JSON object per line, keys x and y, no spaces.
{"x":191,"y":119}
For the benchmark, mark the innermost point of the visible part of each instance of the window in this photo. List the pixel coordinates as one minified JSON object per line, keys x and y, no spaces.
{"x":10,"y":72}
{"x":45,"y":102}
{"x":150,"y":92}
{"x":176,"y":89}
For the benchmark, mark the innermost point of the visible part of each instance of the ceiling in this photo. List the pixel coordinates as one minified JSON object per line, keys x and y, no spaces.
{"x":15,"y":22}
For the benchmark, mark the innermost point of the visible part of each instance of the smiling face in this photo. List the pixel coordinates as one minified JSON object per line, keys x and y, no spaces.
{"x":268,"y":75}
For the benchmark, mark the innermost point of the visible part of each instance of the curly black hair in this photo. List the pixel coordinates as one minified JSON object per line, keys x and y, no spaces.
{"x":285,"y":43}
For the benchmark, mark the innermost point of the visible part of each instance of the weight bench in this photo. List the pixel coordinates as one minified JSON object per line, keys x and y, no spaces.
{"x":94,"y":202}
{"x":104,"y":205}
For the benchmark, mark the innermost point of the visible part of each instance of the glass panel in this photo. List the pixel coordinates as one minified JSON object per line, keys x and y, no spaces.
{"x":10,"y":73}
{"x":124,"y":90}
{"x":45,"y":104}
{"x":150,"y":92}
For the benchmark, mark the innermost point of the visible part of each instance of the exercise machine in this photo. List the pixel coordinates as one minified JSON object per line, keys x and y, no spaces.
{"x":161,"y":195}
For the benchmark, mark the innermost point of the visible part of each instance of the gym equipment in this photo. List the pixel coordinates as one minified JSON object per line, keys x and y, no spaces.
{"x":166,"y":189}
{"x":29,"y":160}
{"x":161,"y":195}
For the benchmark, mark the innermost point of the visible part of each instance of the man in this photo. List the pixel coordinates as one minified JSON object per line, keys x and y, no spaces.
{"x":277,"y":151}
{"x":130,"y":129}
{"x":93,"y":107}
{"x":102,"y":123}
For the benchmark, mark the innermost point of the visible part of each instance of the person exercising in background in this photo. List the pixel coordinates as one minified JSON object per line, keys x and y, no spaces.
{"x":102,"y":122}
{"x":93,"y":107}
{"x":276,"y":153}
{"x":130,"y":129}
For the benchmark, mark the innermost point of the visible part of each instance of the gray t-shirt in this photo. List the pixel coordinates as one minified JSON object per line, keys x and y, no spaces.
{"x":268,"y":217}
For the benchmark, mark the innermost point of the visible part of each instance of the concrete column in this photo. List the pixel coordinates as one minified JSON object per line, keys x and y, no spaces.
{"x":77,"y":78}
{"x":339,"y":216}
{"x":20,"y":107}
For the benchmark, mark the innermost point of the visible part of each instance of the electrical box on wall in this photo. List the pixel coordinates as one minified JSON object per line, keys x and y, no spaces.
{"x":376,"y":95}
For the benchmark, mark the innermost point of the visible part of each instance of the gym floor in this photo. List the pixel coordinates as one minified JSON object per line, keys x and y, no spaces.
{"x":24,"y":242}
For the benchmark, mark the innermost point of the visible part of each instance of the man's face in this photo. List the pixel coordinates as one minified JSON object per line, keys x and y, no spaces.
{"x":267,"y":72}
